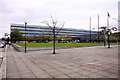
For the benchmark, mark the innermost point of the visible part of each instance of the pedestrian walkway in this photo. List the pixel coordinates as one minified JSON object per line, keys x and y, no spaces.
{"x":2,"y":63}
{"x":88,"y":62}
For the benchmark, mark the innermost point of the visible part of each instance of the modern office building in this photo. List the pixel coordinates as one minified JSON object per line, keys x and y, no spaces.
{"x":35,"y":30}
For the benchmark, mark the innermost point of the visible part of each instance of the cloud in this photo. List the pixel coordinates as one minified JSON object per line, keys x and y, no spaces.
{"x":75,"y":13}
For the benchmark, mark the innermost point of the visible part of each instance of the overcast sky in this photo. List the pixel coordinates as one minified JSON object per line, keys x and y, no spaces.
{"x":75,"y":13}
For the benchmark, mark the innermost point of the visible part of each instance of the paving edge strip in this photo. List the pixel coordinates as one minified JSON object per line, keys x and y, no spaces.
{"x":4,"y":64}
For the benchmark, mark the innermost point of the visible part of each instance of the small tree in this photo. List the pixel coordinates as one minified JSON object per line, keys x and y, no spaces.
{"x":16,"y":35}
{"x":107,"y":31}
{"x":117,"y":35}
{"x":42,"y":38}
{"x":30,"y":38}
{"x":55,"y":30}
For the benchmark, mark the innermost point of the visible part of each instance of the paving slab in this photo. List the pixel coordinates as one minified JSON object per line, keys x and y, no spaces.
{"x":87,"y":62}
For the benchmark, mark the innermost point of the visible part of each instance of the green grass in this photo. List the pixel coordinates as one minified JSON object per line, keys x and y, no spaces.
{"x":59,"y":44}
{"x":114,"y":43}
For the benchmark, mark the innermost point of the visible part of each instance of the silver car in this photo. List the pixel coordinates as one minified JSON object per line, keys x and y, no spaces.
{"x":2,"y":44}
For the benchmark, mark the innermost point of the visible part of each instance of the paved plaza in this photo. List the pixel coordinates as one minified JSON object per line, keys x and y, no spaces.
{"x":82,"y":62}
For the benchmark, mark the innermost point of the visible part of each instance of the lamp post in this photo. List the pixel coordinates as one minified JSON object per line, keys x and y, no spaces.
{"x":54,"y":39}
{"x":108,"y":16}
{"x":108,"y":39}
{"x":25,"y":36}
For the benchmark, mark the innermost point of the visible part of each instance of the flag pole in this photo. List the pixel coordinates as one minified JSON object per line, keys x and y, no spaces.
{"x":98,"y":30}
{"x":108,"y":16}
{"x":90,"y":28}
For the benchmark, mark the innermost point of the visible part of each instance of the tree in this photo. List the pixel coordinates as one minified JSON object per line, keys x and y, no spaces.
{"x":55,"y":30}
{"x":63,"y":38}
{"x":30,"y":38}
{"x":42,"y":38}
{"x":16,"y":35}
{"x":108,"y":32}
{"x":116,"y":36}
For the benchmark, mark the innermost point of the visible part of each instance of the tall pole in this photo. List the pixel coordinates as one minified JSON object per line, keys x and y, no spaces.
{"x":25,"y":36}
{"x":90,"y":29}
{"x":108,"y":16}
{"x":108,"y":40}
{"x":54,"y":40}
{"x":108,"y":20}
{"x":85,"y":36}
{"x":98,"y":30}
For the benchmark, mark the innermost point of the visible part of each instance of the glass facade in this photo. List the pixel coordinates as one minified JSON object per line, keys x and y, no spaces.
{"x":35,"y":30}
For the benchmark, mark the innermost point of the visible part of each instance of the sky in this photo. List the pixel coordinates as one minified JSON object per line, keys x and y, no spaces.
{"x":75,"y":13}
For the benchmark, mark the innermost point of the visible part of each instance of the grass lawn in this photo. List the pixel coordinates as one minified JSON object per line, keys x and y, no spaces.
{"x":59,"y":44}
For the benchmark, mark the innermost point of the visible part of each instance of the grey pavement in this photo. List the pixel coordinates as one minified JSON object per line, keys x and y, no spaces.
{"x":2,"y":63}
{"x":83,"y":62}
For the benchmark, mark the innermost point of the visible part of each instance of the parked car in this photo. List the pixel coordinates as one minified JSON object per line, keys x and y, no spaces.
{"x":2,"y":44}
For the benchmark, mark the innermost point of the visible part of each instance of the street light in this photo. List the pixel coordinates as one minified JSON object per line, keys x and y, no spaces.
{"x":25,"y":35}
{"x":108,"y":16}
{"x":108,"y":39}
{"x":109,"y":32}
